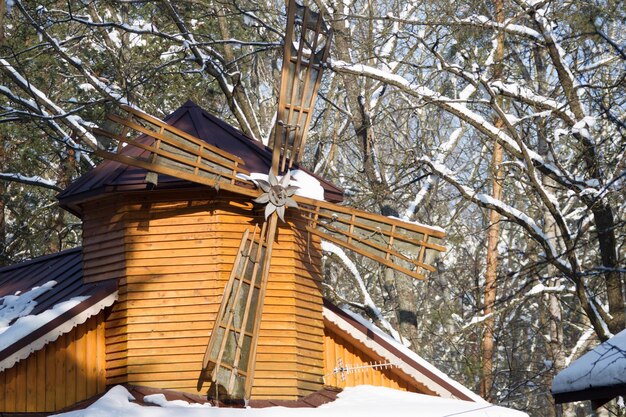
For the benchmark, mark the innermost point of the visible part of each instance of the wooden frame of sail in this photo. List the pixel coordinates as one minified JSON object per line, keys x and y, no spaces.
{"x":303,"y":65}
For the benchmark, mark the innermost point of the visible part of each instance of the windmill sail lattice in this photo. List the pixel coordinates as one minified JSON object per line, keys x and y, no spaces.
{"x":229,"y":358}
{"x":306,"y":49}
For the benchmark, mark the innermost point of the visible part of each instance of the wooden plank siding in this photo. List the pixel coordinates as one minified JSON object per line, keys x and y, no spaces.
{"x":103,"y":245}
{"x":177,"y":253}
{"x":340,"y":352}
{"x":60,"y":374}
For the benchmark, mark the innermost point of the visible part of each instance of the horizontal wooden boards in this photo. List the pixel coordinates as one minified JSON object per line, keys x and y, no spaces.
{"x":177,"y":256}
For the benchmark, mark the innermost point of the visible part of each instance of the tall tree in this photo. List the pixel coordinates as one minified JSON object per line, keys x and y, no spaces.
{"x":493,"y":230}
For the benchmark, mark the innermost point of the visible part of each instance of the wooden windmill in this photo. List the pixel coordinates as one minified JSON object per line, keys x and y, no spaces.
{"x":229,"y":361}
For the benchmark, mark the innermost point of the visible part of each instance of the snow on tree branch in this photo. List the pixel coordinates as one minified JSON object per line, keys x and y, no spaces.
{"x":368,"y":303}
{"x":34,"y":180}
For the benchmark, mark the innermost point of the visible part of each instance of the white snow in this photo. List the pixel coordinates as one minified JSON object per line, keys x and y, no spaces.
{"x":507,"y":26}
{"x":367,"y":299}
{"x":307,"y":185}
{"x":27,"y":324}
{"x":161,"y":401}
{"x":540,"y":288}
{"x":86,"y":87}
{"x":364,"y":401}
{"x":12,"y":307}
{"x":35,"y":179}
{"x":8,"y":4}
{"x":426,"y":226}
{"x":603,"y":366}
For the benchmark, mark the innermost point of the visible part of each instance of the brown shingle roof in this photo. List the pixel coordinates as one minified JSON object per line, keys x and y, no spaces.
{"x":110,"y":176}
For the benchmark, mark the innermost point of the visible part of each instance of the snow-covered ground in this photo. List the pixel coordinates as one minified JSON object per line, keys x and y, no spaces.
{"x":603,"y":366}
{"x":361,"y":401}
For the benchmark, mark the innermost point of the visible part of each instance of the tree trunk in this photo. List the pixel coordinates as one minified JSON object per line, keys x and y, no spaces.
{"x":491,"y":273}
{"x":67,"y":166}
{"x":4,"y":259}
{"x":493,"y":233}
{"x":602,"y":210}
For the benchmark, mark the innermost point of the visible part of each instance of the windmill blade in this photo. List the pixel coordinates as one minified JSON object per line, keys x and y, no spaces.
{"x":146,"y":142}
{"x":229,"y":360}
{"x":306,"y":49}
{"x":406,"y":247}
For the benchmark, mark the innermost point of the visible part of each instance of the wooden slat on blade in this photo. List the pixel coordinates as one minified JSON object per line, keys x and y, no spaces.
{"x":374,"y":217}
{"x":148,"y":166}
{"x":188,"y":164}
{"x":300,"y":80}
{"x":178,"y":132}
{"x":202,"y":150}
{"x":227,"y":360}
{"x":403,"y":246}
{"x":390,"y":264}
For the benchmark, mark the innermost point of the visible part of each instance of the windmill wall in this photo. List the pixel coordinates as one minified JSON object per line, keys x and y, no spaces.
{"x":172,"y":256}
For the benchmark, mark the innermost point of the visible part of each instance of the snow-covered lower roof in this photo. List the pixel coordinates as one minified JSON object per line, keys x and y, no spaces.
{"x":403,"y":358}
{"x":43,"y":299}
{"x":599,"y":374}
{"x":362,"y":401}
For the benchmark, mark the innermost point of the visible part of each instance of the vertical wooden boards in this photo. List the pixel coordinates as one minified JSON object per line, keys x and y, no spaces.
{"x":348,"y":363}
{"x":55,"y":376}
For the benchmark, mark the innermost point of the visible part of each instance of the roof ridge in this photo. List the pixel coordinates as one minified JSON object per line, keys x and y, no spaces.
{"x":41,"y":258}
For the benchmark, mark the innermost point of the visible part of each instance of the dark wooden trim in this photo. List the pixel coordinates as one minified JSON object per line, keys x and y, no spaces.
{"x":596,"y":394}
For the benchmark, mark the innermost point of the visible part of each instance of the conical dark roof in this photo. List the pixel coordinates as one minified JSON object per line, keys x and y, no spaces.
{"x":111,"y":176}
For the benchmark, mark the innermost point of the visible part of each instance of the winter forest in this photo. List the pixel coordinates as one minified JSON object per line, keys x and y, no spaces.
{"x":501,"y":121}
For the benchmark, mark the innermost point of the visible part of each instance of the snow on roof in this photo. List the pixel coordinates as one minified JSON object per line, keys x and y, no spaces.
{"x":44,"y":298}
{"x":364,"y":401}
{"x":21,"y":304}
{"x":308,"y":185}
{"x":28,"y":325}
{"x":405,"y":359}
{"x":602,"y":367}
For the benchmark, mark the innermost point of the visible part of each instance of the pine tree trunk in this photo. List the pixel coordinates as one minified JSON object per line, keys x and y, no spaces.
{"x":493,"y":233}
{"x":4,"y":259}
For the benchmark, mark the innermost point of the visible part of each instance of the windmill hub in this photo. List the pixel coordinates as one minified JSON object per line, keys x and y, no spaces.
{"x":276,"y":194}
